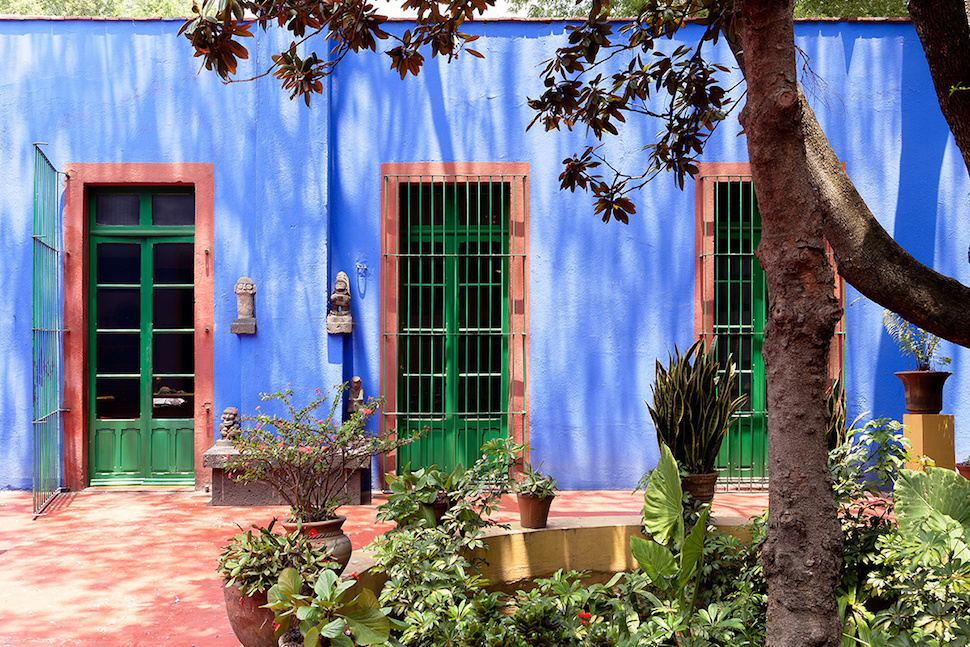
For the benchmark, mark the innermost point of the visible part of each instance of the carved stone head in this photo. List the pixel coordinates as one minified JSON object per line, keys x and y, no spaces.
{"x":245,"y":298}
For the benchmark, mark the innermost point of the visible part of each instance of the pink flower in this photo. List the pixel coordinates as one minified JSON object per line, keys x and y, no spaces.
{"x":306,"y":450}
{"x":368,"y":411}
{"x":262,"y":446}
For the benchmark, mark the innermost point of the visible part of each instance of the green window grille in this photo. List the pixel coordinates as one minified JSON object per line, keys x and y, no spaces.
{"x":141,"y":335}
{"x":47,"y":324}
{"x":453,"y":343}
{"x":734,"y":302}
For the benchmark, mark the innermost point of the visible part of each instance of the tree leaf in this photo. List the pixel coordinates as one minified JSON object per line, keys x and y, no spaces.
{"x":333,"y":629}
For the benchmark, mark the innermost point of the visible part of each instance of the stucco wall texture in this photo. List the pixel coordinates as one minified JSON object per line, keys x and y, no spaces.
{"x":298,"y":198}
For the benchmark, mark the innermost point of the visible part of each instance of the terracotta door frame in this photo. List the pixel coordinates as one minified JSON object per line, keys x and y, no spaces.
{"x":80,"y":177}
{"x":516,"y":174}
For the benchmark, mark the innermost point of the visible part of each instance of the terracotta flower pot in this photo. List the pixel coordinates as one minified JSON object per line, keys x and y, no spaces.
{"x":964,"y":469}
{"x":252,"y":625}
{"x":923,"y":390}
{"x":329,"y":533}
{"x":533,"y":511}
{"x":700,"y":486}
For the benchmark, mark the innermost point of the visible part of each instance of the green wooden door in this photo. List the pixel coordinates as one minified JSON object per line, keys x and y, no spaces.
{"x":453,"y":340}
{"x":141,"y":337}
{"x":739,"y":323}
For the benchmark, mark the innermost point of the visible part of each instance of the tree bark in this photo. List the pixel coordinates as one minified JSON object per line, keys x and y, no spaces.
{"x":801,"y":556}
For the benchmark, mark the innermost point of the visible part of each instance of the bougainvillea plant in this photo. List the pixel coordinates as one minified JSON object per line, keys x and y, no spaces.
{"x":307,"y":457}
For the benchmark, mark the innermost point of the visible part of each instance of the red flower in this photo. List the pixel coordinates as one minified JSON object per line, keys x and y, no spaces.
{"x":355,"y":576}
{"x":306,"y":450}
{"x":584,"y":617}
{"x":312,"y":532}
{"x":276,"y":626}
{"x":368,"y":411}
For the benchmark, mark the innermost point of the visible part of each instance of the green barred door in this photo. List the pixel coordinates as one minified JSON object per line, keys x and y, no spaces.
{"x":141,"y":336}
{"x":452,"y":337}
{"x":738,"y":322}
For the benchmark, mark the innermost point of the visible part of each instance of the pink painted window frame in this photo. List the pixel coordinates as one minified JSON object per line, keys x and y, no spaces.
{"x":704,"y":245}
{"x":80,"y":178}
{"x":518,"y":174}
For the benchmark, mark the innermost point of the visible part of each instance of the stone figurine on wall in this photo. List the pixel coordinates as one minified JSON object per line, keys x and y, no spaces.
{"x":339,"y":320}
{"x":355,"y":396}
{"x":245,"y":323}
{"x":229,"y":426}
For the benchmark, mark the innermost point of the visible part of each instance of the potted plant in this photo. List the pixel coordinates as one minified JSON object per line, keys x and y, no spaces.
{"x":324,"y":617}
{"x":534,"y":493}
{"x":963,"y":467}
{"x":922,"y":386}
{"x":694,"y":404}
{"x":309,"y":460}
{"x":417,"y":496}
{"x":251,"y":564}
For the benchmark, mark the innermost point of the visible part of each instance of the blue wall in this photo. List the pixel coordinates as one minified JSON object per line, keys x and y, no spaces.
{"x":297,"y":198}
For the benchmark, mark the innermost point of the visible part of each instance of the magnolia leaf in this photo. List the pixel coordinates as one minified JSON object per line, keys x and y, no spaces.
{"x":692,"y":554}
{"x":918,"y":494}
{"x":655,"y":560}
{"x":663,"y":512}
{"x":369,"y":626}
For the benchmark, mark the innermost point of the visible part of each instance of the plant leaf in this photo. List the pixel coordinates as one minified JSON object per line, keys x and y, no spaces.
{"x":663,"y":512}
{"x":918,"y":494}
{"x":289,"y":582}
{"x":692,"y":554}
{"x":369,"y":626}
{"x":655,"y":560}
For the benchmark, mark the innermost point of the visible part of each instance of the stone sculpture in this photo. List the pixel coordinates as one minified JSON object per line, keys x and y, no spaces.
{"x":339,"y":320}
{"x":355,"y":397}
{"x":229,"y":426}
{"x":245,"y":323}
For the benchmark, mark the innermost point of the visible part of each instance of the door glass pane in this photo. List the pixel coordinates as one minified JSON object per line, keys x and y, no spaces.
{"x":171,"y":209}
{"x":118,"y":353}
{"x":174,"y":353}
{"x":116,"y":209}
{"x":118,"y":397}
{"x":174,"y":308}
{"x":118,"y":308}
{"x":173,"y":397}
{"x":119,"y":263}
{"x":174,"y":263}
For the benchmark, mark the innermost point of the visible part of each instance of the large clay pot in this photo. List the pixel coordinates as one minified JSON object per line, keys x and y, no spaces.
{"x":700,"y":486}
{"x":329,"y":533}
{"x":923,"y":390}
{"x":533,"y":511}
{"x":252,"y":625}
{"x":964,"y":470}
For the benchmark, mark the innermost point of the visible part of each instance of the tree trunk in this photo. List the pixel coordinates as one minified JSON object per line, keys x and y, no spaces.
{"x":801,"y":556}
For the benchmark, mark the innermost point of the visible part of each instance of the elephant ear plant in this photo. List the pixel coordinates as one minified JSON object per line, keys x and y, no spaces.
{"x":694,"y":404}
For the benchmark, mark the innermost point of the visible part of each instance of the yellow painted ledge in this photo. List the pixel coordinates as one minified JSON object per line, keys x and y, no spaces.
{"x":599,"y":545}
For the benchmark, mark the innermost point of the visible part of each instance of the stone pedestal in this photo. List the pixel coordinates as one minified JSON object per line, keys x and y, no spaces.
{"x":226,"y":492}
{"x":932,"y":436}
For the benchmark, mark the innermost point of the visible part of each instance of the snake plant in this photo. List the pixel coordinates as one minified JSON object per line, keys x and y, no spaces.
{"x":694,"y":404}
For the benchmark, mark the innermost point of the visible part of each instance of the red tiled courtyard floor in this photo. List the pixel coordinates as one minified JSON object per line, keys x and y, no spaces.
{"x":137,"y":568}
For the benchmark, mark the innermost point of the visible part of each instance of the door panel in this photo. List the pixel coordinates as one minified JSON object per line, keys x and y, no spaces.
{"x":142,"y":338}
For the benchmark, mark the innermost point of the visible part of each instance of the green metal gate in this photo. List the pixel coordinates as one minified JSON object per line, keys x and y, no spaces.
{"x":453,"y":336}
{"x":734,"y":302}
{"x":736,"y":318}
{"x":47,"y":333}
{"x":141,"y":336}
